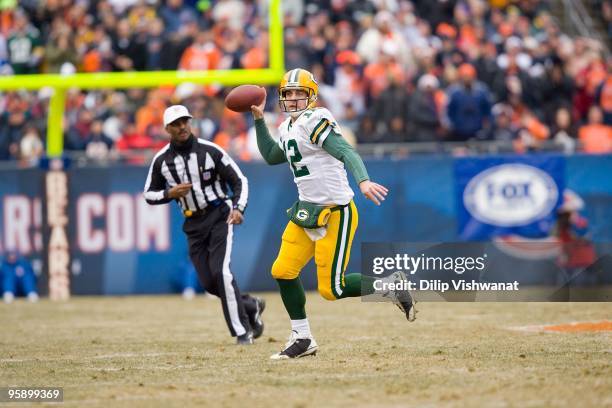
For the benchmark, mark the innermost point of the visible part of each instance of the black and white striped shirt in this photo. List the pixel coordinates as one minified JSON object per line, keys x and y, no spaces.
{"x":206,"y":166}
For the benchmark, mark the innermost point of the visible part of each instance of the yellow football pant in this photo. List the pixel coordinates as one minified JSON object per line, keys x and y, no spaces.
{"x":331,"y":253}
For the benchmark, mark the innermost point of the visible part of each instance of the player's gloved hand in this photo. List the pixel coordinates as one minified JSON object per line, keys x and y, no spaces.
{"x":235,"y":217}
{"x":258,"y":110}
{"x":373,"y":191}
{"x":180,"y":190}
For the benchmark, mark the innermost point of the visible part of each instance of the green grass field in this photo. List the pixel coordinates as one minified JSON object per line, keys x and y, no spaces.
{"x":164,"y":351}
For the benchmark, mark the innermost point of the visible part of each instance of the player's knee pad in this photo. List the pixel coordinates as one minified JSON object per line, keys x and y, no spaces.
{"x":282,"y":270}
{"x":327,"y":293}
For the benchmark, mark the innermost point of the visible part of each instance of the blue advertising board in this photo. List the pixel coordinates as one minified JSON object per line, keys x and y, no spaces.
{"x":508,"y":195}
{"x":120,"y":245}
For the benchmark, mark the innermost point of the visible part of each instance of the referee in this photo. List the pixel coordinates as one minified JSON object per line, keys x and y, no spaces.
{"x":195,"y":173}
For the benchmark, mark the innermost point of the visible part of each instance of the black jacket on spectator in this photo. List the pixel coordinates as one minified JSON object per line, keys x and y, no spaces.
{"x":389,"y":114}
{"x":423,"y":117}
{"x":487,"y":72}
{"x":10,"y":133}
{"x":171,"y":51}
{"x":557,"y":92}
{"x":135,"y":48}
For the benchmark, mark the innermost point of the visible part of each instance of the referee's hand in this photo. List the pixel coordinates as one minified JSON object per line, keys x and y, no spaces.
{"x":235,"y":217}
{"x":180,"y":190}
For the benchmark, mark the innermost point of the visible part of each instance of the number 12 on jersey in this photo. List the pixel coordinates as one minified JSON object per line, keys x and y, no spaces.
{"x":291,"y":147}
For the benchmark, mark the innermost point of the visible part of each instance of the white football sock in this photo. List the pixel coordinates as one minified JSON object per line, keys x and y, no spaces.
{"x":301,"y":327}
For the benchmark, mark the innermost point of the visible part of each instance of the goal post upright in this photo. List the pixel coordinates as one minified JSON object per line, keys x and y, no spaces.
{"x":147,"y":79}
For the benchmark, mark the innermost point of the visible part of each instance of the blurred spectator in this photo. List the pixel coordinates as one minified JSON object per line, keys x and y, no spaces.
{"x":503,"y":129}
{"x":203,"y":54}
{"x":155,"y":42}
{"x":379,"y":75}
{"x":5,"y":67}
{"x":175,"y":14}
{"x":256,"y":56}
{"x":425,"y":110}
{"x":31,"y":147}
{"x":202,"y":125}
{"x":78,"y":134}
{"x":233,"y":137}
{"x":24,"y":46}
{"x":486,"y":64}
{"x":12,"y":123}
{"x":558,"y":90}
{"x":173,"y":47}
{"x":595,"y":136}
{"x":294,"y":55}
{"x":448,"y":55}
{"x":98,"y":145}
{"x":389,"y":113}
{"x":134,"y":140}
{"x":230,"y":12}
{"x":514,"y":55}
{"x":532,"y":134}
{"x":345,"y":99}
{"x":603,"y":96}
{"x":18,"y":278}
{"x":98,"y":53}
{"x":564,"y":132}
{"x":130,"y":50}
{"x":469,"y":105}
{"x":373,"y":40}
{"x":606,"y":12}
{"x":60,"y":51}
{"x":577,"y":251}
{"x":587,"y":81}
{"x":149,"y":115}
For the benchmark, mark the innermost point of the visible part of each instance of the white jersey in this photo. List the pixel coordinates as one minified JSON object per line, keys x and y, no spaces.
{"x":320,"y":178}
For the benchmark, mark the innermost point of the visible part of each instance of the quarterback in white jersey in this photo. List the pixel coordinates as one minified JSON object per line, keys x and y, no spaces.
{"x":320,"y":177}
{"x":324,"y":219}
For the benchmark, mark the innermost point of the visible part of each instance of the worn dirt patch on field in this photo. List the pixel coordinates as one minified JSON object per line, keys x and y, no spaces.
{"x":573,"y":327}
{"x":581,"y":327}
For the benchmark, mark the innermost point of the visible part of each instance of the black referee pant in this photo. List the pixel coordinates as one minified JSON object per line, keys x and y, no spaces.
{"x":210,"y":248}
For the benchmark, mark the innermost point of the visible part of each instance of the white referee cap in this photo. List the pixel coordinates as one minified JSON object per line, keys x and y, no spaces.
{"x":175,"y":112}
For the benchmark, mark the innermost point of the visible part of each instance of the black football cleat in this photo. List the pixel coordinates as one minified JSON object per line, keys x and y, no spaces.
{"x":297,"y":347}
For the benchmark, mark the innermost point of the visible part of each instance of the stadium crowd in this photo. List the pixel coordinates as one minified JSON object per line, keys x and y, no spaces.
{"x":389,"y":70}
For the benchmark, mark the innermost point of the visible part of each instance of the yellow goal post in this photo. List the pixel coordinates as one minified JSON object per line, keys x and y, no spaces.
{"x":147,"y":79}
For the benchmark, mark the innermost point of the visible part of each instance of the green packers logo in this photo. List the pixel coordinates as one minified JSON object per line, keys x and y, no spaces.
{"x":302,"y":215}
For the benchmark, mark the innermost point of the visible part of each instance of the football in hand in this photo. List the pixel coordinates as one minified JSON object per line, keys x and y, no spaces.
{"x":242,"y":97}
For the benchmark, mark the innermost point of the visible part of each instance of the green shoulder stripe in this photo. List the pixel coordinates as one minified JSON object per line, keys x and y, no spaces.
{"x":321,"y":133}
{"x":318,"y":130}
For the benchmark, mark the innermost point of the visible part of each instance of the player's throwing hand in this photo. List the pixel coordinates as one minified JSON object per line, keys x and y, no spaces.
{"x":373,"y":191}
{"x":258,"y":110}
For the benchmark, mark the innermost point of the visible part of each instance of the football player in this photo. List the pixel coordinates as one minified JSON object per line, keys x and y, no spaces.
{"x":324,"y":220}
